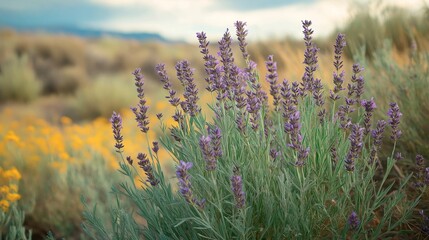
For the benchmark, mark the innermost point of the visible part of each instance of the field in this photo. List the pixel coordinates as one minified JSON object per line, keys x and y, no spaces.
{"x":58,"y":160}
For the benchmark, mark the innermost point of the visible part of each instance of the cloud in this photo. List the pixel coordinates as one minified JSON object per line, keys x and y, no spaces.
{"x":182,"y":19}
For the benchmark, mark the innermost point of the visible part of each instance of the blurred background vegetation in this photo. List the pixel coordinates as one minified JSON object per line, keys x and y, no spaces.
{"x":57,"y":92}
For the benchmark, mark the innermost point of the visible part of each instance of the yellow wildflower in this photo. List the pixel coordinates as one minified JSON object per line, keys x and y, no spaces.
{"x":12,"y":197}
{"x":4,"y":189}
{"x":11,"y":136}
{"x":12,"y":174}
{"x":4,"y":205}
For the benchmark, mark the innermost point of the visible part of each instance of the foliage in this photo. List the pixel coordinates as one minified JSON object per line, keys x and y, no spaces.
{"x":18,"y":81}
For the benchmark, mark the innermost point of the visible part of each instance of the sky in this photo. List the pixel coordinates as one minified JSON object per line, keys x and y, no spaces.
{"x":181,"y":19}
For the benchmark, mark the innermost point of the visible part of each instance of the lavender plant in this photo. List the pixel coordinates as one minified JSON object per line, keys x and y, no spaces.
{"x":260,"y":172}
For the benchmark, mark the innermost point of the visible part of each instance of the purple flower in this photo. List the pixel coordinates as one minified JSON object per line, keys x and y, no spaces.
{"x":358,"y":82}
{"x":163,"y":77}
{"x":155,"y":147}
{"x":274,"y":153}
{"x":296,"y":93}
{"x":356,"y":144}
{"x":237,"y":189}
{"x":185,"y":76}
{"x":159,"y":116}
{"x":210,"y":63}
{"x":241,"y":35}
{"x":286,"y":101}
{"x":377,"y":135}
{"x":398,"y":156}
{"x":185,"y":186}
{"x":129,"y":160}
{"x":141,"y":110}
{"x":253,"y":106}
{"x":420,"y":162}
{"x":184,"y":183}
{"x":353,"y":221}
{"x":310,"y":57}
{"x":208,"y":153}
{"x":271,"y":78}
{"x":369,"y":106}
{"x":394,"y":120}
{"x":240,"y":122}
{"x":116,"y":122}
{"x":216,"y":135}
{"x":340,"y":43}
{"x":147,"y":168}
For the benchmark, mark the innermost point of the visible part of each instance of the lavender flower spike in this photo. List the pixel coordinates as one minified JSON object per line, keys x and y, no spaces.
{"x":185,"y":184}
{"x":271,"y":78}
{"x":241,"y":35}
{"x":355,"y":147}
{"x":208,"y":153}
{"x":395,"y":117}
{"x":116,"y":121}
{"x":237,"y":189}
{"x":146,"y":166}
{"x":141,"y":110}
{"x":369,"y":106}
{"x":353,"y":221}
{"x":185,"y":75}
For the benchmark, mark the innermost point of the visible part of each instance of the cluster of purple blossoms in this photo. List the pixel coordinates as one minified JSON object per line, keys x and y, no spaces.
{"x":237,"y":189}
{"x":254,"y":104}
{"x":271,"y":78}
{"x":116,"y":122}
{"x":141,"y":110}
{"x":227,"y":60}
{"x":208,"y":154}
{"x":241,"y":35}
{"x":356,"y":88}
{"x":369,"y":106}
{"x":287,"y":105}
{"x":353,"y":221}
{"x":310,"y":57}
{"x":377,"y":136}
{"x":163,"y":77}
{"x":421,"y":179}
{"x":394,"y":120}
{"x":210,"y":64}
{"x":185,"y":76}
{"x":343,"y":113}
{"x":293,"y":128}
{"x":147,"y":168}
{"x":185,"y":184}
{"x":318,"y":97}
{"x":356,"y":137}
{"x":340,"y":43}
{"x":155,"y":147}
{"x":274,"y":154}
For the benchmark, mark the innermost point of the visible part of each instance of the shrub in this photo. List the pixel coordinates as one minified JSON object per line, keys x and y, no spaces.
{"x":407,"y":85}
{"x":100,"y":98}
{"x":17,"y":81}
{"x":285,"y":170}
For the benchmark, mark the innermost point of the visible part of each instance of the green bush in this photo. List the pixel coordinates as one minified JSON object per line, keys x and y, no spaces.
{"x":100,"y":98}
{"x":256,"y":171}
{"x":17,"y":81}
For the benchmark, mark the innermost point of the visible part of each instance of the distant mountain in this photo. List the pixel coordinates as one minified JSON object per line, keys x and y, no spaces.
{"x":95,"y":33}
